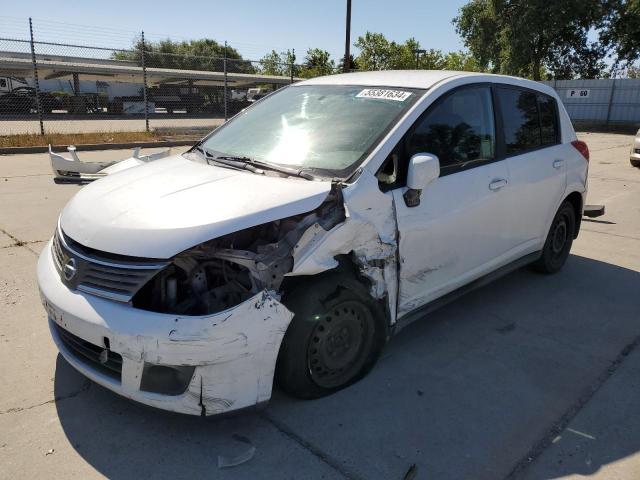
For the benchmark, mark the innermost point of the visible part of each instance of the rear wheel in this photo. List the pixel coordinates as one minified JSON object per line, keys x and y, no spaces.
{"x":334,"y":338}
{"x":559,"y":240}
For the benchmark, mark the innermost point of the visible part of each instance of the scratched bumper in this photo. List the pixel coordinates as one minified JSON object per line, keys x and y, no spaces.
{"x":234,"y":352}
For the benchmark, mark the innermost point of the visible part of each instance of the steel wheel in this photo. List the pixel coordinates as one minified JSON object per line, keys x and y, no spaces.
{"x":335,"y":337}
{"x":335,"y":351}
{"x":559,"y":237}
{"x":559,"y":240}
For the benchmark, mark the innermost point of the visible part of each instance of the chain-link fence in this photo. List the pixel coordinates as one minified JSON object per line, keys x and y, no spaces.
{"x":64,"y":87}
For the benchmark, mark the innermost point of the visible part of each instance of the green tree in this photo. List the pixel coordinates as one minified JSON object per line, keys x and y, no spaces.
{"x":274,"y":63}
{"x":353,"y":65}
{"x":461,"y":61}
{"x":378,"y":53}
{"x":529,"y":37}
{"x":203,"y":54}
{"x":317,"y":62}
{"x":375,"y":52}
{"x":621,"y":29}
{"x":271,"y":64}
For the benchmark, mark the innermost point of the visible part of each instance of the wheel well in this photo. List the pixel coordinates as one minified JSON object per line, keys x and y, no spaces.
{"x":575,"y":199}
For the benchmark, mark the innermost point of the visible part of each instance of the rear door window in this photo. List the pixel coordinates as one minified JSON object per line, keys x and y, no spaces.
{"x":548,"y":120}
{"x":520,"y":118}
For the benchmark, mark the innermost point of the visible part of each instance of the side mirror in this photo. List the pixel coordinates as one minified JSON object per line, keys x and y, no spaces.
{"x":424,"y":168}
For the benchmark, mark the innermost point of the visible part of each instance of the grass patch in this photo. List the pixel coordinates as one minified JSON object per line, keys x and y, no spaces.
{"x":34,"y":140}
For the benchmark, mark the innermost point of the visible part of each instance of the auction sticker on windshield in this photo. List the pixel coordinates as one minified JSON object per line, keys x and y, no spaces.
{"x":384,"y":94}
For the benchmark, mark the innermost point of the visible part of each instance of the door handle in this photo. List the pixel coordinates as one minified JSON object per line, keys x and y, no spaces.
{"x":558,"y":164}
{"x":497,"y":184}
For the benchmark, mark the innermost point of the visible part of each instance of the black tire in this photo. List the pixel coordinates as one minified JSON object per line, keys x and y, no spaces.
{"x":334,"y":339}
{"x":635,"y":163}
{"x":559,"y":240}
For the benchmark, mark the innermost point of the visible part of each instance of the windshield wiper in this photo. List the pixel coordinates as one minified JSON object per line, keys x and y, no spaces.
{"x":271,"y":166}
{"x":229,"y":161}
{"x":253,"y":165}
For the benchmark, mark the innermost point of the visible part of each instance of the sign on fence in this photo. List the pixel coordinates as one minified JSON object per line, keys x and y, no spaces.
{"x":578,"y":93}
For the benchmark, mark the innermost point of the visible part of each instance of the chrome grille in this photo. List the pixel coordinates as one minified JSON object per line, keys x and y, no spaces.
{"x":115,"y":277}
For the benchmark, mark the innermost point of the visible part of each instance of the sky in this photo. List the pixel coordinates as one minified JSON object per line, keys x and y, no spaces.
{"x":252,"y":27}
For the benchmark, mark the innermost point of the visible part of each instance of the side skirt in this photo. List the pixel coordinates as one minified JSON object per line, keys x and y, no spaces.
{"x":427,"y":308}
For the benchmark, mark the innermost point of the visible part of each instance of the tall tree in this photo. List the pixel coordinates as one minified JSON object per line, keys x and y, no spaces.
{"x":317,"y":62}
{"x":203,"y":54}
{"x":353,"y":65}
{"x":274,"y":63}
{"x":621,"y":30}
{"x":375,"y":52}
{"x":461,"y":61}
{"x":529,"y":37}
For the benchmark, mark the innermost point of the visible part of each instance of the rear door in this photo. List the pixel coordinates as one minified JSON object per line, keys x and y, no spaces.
{"x":536,"y":162}
{"x":458,"y":229}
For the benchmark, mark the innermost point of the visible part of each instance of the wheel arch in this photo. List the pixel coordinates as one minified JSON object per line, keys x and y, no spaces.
{"x":575,"y":199}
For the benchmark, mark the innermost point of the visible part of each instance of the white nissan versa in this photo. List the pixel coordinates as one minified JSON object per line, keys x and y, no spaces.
{"x":293,"y":241}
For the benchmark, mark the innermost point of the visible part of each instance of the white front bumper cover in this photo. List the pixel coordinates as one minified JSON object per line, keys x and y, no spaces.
{"x":234,"y":352}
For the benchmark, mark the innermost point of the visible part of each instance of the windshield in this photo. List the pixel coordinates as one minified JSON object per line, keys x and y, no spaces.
{"x":325,"y":128}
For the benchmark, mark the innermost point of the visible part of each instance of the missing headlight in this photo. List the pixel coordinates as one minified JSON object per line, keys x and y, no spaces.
{"x":226,"y":271}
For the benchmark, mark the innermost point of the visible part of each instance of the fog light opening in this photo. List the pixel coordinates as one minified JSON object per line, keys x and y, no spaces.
{"x":166,"y":379}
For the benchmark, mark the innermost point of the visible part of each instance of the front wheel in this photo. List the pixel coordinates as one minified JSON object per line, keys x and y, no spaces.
{"x":559,"y":240}
{"x":334,"y":338}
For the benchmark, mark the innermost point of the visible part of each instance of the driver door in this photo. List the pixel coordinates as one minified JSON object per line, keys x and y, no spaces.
{"x":456,"y":232}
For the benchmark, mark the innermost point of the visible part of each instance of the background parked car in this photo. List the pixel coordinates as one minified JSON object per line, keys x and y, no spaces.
{"x":23,"y":100}
{"x":635,"y":151}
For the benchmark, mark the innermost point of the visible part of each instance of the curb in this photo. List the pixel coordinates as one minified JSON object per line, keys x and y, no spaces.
{"x":96,"y":146}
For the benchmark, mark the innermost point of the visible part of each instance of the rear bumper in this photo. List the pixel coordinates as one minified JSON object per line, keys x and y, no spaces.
{"x":233,"y":353}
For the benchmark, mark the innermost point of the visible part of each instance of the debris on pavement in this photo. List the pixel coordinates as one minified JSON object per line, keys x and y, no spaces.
{"x":74,"y":170}
{"x":49,"y":452}
{"x":225,"y":461}
{"x":411,"y":473}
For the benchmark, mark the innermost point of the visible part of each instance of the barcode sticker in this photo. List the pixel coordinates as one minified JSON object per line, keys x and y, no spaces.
{"x":384,"y":94}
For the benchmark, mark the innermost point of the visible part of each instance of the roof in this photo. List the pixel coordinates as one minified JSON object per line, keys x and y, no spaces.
{"x":389,"y":78}
{"x":56,"y":66}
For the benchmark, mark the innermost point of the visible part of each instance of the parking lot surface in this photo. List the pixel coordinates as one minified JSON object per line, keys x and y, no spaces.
{"x":532,"y":376}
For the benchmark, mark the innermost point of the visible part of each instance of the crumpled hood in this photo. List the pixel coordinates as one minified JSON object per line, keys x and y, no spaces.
{"x":164,"y":207}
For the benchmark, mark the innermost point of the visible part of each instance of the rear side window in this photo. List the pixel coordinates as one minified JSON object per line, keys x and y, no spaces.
{"x":520,"y":119}
{"x":458,"y":129}
{"x":548,"y":120}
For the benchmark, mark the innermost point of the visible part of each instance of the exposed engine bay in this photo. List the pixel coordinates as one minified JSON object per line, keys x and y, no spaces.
{"x":228,"y":270}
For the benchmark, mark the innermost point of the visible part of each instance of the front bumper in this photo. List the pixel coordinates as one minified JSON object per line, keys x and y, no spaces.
{"x":234,"y":352}
{"x":635,"y":154}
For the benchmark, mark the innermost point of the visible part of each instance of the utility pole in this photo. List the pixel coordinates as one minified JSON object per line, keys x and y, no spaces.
{"x":347,"y":42}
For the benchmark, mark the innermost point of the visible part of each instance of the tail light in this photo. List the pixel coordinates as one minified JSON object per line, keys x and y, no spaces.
{"x":582,"y":148}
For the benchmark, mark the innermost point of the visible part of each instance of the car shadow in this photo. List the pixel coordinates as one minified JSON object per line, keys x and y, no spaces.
{"x":551,"y":337}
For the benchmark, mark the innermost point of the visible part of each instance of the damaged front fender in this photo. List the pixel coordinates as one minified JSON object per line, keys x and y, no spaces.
{"x":367,"y":234}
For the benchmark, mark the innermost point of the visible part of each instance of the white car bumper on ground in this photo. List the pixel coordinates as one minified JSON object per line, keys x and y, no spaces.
{"x":199,"y":365}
